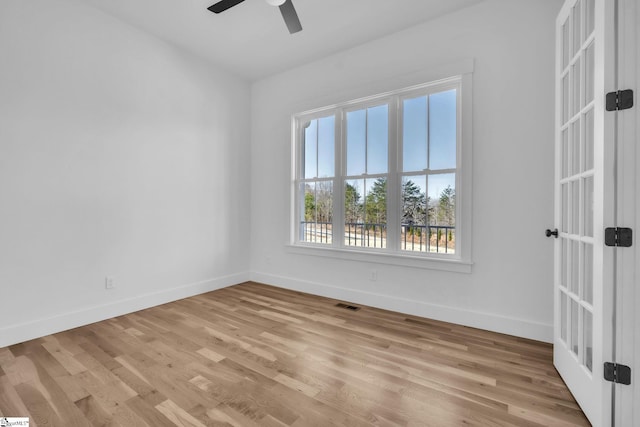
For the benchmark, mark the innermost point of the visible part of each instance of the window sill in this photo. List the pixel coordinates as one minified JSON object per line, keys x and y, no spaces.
{"x":429,"y":263}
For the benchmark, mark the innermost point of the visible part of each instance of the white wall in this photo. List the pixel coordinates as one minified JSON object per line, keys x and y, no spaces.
{"x":510,"y":287}
{"x":119,"y":155}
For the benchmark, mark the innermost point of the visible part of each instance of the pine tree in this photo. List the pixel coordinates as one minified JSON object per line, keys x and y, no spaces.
{"x":376,"y":202}
{"x":413,"y":204}
{"x":352,"y":204}
{"x":447,"y":207}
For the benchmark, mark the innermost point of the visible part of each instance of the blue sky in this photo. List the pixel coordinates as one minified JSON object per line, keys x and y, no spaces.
{"x":322,"y":133}
{"x":434,"y":115}
{"x":428,"y":136}
{"x":367,"y":140}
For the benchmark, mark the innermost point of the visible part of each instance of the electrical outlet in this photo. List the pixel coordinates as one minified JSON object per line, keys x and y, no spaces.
{"x":374,"y":275}
{"x":109,"y":282}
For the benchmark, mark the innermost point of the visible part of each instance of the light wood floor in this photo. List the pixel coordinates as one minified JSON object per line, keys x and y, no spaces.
{"x":254,"y":355}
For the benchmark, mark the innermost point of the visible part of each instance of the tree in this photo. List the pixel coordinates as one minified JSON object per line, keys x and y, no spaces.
{"x":447,"y":207}
{"x":309,"y":205}
{"x":376,"y":202}
{"x":324,"y":201}
{"x":413,"y":204}
{"x":352,"y":204}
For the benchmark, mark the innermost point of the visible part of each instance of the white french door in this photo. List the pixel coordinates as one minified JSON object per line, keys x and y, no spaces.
{"x":584,"y":202}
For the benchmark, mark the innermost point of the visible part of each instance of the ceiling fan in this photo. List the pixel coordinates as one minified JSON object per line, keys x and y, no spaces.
{"x":286,"y":8}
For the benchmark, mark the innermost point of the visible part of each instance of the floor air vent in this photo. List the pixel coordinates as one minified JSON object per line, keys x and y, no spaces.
{"x":347,"y":306}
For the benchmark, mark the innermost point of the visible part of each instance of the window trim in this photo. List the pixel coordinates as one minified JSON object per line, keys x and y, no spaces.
{"x":461,"y":261}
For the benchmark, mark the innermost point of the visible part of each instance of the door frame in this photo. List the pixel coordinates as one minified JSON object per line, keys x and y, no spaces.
{"x":627,"y":351}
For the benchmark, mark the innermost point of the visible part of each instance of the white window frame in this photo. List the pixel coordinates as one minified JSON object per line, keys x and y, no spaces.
{"x":392,"y":254}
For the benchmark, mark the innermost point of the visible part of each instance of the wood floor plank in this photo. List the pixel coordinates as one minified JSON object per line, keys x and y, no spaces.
{"x":93,"y":412}
{"x":177,"y":415}
{"x":37,"y":404}
{"x":148,"y":412}
{"x":11,"y":404}
{"x":254,"y":355}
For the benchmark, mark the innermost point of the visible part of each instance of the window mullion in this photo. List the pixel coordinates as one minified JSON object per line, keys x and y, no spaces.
{"x":317,"y":174}
{"x":393,"y":178}
{"x":460,"y":222}
{"x":366,"y":143}
{"x":298,"y":146}
{"x":428,"y":133}
{"x":340,"y":154}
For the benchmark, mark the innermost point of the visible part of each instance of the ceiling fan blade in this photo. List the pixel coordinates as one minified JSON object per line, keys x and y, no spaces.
{"x":223,"y":5}
{"x":290,"y":17}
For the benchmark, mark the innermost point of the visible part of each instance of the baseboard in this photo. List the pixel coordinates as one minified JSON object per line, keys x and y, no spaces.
{"x":487,"y":321}
{"x":45,"y":326}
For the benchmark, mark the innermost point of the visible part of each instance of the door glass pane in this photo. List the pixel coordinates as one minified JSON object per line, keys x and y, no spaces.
{"x":588,"y":339}
{"x":575,"y":326}
{"x":563,"y":316}
{"x":414,"y":134}
{"x":577,"y":20}
{"x":564,"y":274}
{"x":589,"y":6}
{"x":575,"y":267}
{"x":565,"y":153}
{"x":575,"y":207}
{"x":442,"y":130}
{"x":588,"y":206}
{"x":564,"y":227}
{"x":575,"y":147}
{"x":565,"y":98}
{"x":566,"y":54}
{"x":589,"y":67}
{"x":575,"y":88}
{"x":587,"y":273}
{"x":588,"y":139}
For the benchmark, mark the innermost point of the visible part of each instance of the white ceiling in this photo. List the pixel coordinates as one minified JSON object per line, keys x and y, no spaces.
{"x":251,"y":39}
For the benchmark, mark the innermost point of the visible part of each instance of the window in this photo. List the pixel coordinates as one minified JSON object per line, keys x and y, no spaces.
{"x":365,"y":180}
{"x":383,"y":175}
